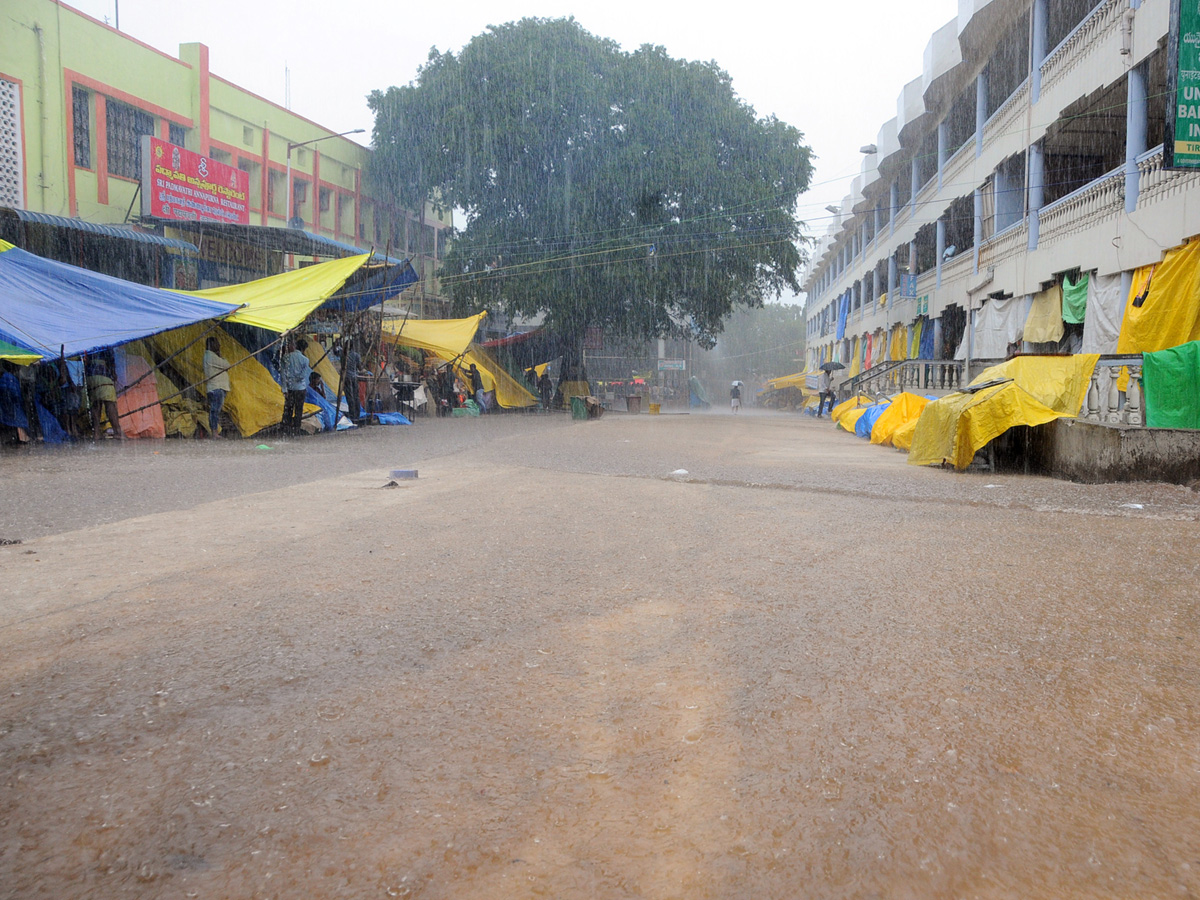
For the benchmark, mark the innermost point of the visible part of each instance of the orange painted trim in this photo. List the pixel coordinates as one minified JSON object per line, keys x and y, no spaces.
{"x":164,"y":130}
{"x":99,"y":87}
{"x":123,"y":35}
{"x":234,"y":152}
{"x":101,"y":149}
{"x":266,"y":173}
{"x":72,"y":205}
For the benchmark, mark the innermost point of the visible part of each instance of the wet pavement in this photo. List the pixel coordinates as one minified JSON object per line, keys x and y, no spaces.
{"x":551,"y":667}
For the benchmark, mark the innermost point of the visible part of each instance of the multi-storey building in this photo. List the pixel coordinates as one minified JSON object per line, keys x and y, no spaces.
{"x":1030,"y":147}
{"x":76,"y":98}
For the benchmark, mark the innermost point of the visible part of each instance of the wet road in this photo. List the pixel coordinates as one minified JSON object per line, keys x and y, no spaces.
{"x":550,"y":668}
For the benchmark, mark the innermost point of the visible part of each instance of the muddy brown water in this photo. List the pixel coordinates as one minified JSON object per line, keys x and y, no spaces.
{"x":549,"y":668}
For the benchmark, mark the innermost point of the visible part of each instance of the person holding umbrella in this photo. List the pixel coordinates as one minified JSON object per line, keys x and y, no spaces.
{"x":825,"y":385}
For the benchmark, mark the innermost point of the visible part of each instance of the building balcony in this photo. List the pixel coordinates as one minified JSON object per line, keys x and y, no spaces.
{"x":1082,"y":209}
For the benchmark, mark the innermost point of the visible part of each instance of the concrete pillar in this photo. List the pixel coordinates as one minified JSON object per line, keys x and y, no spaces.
{"x":892,"y":280}
{"x":893,"y":202}
{"x":876,"y":231}
{"x":943,"y":138}
{"x":1039,"y":25}
{"x":916,"y":182}
{"x":981,"y":102}
{"x":875,"y":288}
{"x":1037,"y":178}
{"x":941,"y":248}
{"x":1135,"y":132}
{"x":978,"y":228}
{"x":912,"y":257}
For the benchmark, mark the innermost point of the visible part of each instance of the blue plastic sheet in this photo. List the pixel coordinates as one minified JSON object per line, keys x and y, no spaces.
{"x":868,"y":419}
{"x":47,"y":305}
{"x":393,"y":418}
{"x":843,"y":314}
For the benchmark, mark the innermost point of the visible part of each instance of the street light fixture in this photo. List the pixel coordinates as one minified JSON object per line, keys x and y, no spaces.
{"x":292,"y":145}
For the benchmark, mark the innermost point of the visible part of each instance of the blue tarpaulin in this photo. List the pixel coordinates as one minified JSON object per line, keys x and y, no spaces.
{"x":925,"y":351}
{"x":843,"y":313}
{"x":47,"y":305}
{"x":868,"y":419}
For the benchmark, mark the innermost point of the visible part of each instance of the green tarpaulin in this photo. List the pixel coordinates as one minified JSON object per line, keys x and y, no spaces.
{"x":1171,"y":381}
{"x":1074,"y":300}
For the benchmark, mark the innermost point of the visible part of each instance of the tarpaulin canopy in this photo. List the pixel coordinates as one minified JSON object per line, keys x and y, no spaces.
{"x":902,"y":437}
{"x":1033,"y":390}
{"x":47,"y":305}
{"x":1171,"y":380}
{"x":850,"y":417}
{"x":446,"y":338}
{"x":796,"y":380}
{"x":255,"y":400}
{"x":904,"y":408}
{"x":509,"y":392}
{"x":281,"y":302}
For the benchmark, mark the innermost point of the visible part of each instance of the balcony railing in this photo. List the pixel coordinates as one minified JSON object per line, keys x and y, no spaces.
{"x":1004,"y":120}
{"x":912,"y":375}
{"x":1106,"y":404}
{"x":954,"y":172}
{"x":1005,"y":244}
{"x":1075,"y":47}
{"x":1156,"y":183}
{"x":1079,"y":210}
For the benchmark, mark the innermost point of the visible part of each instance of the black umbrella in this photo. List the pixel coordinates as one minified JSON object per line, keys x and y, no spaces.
{"x":830,"y":366}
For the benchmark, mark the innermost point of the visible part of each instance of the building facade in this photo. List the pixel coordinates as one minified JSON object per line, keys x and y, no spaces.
{"x":77,"y":96}
{"x":1029,"y":150}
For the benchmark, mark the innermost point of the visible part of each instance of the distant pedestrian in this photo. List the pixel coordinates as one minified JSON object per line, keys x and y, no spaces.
{"x":102,"y":392}
{"x":545,"y":388}
{"x":825,"y":385}
{"x":295,"y":384}
{"x":735,"y":397}
{"x":216,"y":381}
{"x":353,"y":364}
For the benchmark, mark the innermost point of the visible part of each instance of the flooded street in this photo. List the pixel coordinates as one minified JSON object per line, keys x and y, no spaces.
{"x":551,"y":668}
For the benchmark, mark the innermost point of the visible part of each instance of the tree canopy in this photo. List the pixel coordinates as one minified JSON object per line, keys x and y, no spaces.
{"x":629,"y":190}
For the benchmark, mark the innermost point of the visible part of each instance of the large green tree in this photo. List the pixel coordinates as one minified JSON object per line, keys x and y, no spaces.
{"x":628,"y":190}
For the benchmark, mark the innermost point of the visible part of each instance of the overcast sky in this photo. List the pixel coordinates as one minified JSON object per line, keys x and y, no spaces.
{"x":833,"y":70}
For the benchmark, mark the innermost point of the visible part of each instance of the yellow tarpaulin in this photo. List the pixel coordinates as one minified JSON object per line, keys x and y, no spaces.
{"x":846,"y":405}
{"x":797,"y":381}
{"x":1169,"y":313}
{"x":855,"y":358}
{"x":954,"y":428}
{"x":902,"y":437}
{"x":1044,"y":324}
{"x":281,"y":302}
{"x":914,"y":339}
{"x":1043,"y":388}
{"x":896,"y":347}
{"x":1059,"y":382}
{"x":905,"y":407}
{"x":323,"y":365}
{"x":850,"y":418}
{"x":446,"y":338}
{"x":509,"y":393}
{"x":254,"y":401}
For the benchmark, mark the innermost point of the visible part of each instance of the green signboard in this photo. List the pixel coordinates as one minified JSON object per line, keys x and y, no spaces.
{"x":1181,"y":149}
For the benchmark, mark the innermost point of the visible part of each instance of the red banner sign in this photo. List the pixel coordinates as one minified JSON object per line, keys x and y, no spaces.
{"x":180,"y":184}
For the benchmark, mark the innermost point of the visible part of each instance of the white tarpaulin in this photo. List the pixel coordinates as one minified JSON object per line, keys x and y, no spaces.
{"x":997,"y":324}
{"x":1105,"y":309}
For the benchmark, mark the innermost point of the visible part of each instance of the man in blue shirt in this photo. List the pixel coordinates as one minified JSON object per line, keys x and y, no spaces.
{"x":295,"y":383}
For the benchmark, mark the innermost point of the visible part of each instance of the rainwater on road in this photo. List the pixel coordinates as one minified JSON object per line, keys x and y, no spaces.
{"x":549,"y":667}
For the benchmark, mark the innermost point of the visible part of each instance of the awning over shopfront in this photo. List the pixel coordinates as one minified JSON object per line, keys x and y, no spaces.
{"x":47,"y":306}
{"x":446,"y":337}
{"x":117,"y":232}
{"x":266,"y":237}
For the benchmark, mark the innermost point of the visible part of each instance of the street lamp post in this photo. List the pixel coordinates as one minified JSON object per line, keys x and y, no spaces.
{"x":292,"y":145}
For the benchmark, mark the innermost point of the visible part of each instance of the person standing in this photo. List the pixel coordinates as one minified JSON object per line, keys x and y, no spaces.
{"x":477,"y":388}
{"x":545,"y":388}
{"x":102,"y":391}
{"x":735,"y":397}
{"x":825,"y":385}
{"x":216,"y":380}
{"x":295,"y":384}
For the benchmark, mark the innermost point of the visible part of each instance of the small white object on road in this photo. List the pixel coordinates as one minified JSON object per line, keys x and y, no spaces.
{"x":680,"y":472}
{"x":1132,"y":506}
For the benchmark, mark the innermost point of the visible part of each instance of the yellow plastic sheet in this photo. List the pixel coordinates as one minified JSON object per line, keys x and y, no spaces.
{"x":281,"y":302}
{"x":5,"y":245}
{"x":1170,"y":313}
{"x":323,"y":365}
{"x":846,"y":405}
{"x":254,"y":401}
{"x":914,"y":339}
{"x":445,"y":338}
{"x":797,"y":380}
{"x":1044,"y":324}
{"x":902,"y":437}
{"x":850,"y":418}
{"x":509,"y":392}
{"x":1059,"y":382}
{"x":896,"y":347}
{"x":905,"y":408}
{"x":855,"y":358}
{"x":954,"y":428}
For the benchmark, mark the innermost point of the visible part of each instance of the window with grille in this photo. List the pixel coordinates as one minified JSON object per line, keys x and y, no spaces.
{"x":81,"y":127}
{"x":178,"y":135}
{"x":126,"y":125}
{"x":12,"y":165}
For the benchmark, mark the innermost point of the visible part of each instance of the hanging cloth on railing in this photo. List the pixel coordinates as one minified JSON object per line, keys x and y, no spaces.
{"x":1105,"y":306}
{"x":1171,"y":382}
{"x":1044,"y":324}
{"x":927,"y":335}
{"x":843,"y":313}
{"x":1163,"y":308}
{"x":1074,"y":300}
